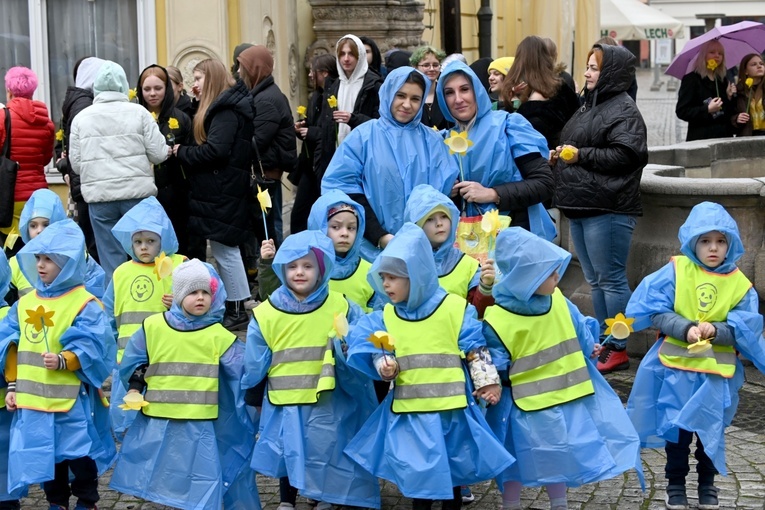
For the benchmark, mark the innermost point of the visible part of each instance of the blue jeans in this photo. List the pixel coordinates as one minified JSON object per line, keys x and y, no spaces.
{"x":103,"y":216}
{"x":603,"y":244}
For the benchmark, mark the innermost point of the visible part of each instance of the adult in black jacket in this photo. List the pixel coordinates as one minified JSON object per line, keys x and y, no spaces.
{"x":356,"y":92}
{"x":598,"y":186}
{"x":155,"y":93}
{"x":323,"y":67}
{"x":274,"y":149}
{"x":704,"y":100}
{"x":218,"y":169}
{"x":78,"y":98}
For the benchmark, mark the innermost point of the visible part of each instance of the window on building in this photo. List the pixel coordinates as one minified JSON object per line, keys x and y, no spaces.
{"x":14,"y":38}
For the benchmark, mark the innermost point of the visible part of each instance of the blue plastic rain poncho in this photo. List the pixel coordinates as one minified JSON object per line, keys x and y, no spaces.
{"x":422,"y":201}
{"x":44,"y":203}
{"x":665,"y":400}
{"x":385,"y":160}
{"x":352,"y":261}
{"x":5,"y":417}
{"x":41,"y":439}
{"x":583,"y":441}
{"x":191,"y":464}
{"x":424,"y":454}
{"x":306,"y":442}
{"x":498,"y":139}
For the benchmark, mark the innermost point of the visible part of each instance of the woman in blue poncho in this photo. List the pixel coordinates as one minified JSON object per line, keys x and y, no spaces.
{"x":676,"y":393}
{"x":314,"y":403}
{"x":177,"y":454}
{"x":428,"y":436}
{"x":506,"y":168}
{"x":381,"y":161}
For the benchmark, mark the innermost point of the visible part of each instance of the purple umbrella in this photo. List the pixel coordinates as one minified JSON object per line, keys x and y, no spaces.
{"x":738,"y":40}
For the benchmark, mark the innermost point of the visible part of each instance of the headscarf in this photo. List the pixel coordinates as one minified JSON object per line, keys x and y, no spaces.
{"x":318,"y":219}
{"x":350,"y":86}
{"x":168,"y":103}
{"x":148,"y":215}
{"x":43,"y":203}
{"x":706,"y":217}
{"x":110,"y":78}
{"x":257,"y":63}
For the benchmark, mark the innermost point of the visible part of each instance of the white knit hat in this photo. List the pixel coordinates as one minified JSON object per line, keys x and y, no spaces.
{"x":189,"y":277}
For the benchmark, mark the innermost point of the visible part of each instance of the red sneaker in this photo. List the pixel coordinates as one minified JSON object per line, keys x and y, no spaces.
{"x":611,"y":360}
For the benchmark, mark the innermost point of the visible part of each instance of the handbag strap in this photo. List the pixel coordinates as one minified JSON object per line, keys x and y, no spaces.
{"x":257,"y":155}
{"x":7,"y":144}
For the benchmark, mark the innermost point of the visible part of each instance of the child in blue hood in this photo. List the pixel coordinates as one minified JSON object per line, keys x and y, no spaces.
{"x":427,"y":442}
{"x":314,"y":402}
{"x":381,"y":161}
{"x":537,"y":337}
{"x":7,"y":499}
{"x":44,"y":208}
{"x":64,"y":427}
{"x":699,"y":295}
{"x":457,"y":273}
{"x":136,"y":290}
{"x":187,"y":348}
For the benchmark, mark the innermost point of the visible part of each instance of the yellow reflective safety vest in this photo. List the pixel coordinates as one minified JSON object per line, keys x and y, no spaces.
{"x":3,"y":390}
{"x":458,"y":279}
{"x":37,"y":387}
{"x":548,"y":366}
{"x":182,"y":376}
{"x":302,"y":360}
{"x":355,"y":286}
{"x":708,"y":297}
{"x":138,"y":295}
{"x":17,"y":278}
{"x":431,"y":376}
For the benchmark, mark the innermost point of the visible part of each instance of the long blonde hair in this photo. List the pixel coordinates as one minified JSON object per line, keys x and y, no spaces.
{"x":217,"y":80}
{"x":701,"y":61}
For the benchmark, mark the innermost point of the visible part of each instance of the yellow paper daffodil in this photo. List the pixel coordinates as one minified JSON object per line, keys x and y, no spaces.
{"x":40,"y":318}
{"x":133,"y":402}
{"x":60,"y":134}
{"x":703,"y":345}
{"x":163,"y":266}
{"x":568,"y":153}
{"x":132,"y":94}
{"x":490,"y":222}
{"x":382,"y":340}
{"x":435,"y":128}
{"x":749,"y":82}
{"x":712,"y":64}
{"x":620,"y":326}
{"x":154,"y":116}
{"x":458,"y":143}
{"x":301,"y":111}
{"x":172,"y":123}
{"x":102,"y":398}
{"x":339,"y":327}
{"x":10,"y":241}
{"x":264,"y":199}
{"x":332,"y":101}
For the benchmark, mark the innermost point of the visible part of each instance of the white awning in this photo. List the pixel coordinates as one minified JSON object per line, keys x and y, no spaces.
{"x":628,"y":20}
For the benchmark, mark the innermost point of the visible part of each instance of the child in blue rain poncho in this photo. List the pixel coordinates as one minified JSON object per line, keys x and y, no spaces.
{"x":698,"y":295}
{"x":428,"y":436}
{"x":457,"y":273}
{"x":565,"y":434}
{"x":44,"y":208}
{"x":506,"y":167}
{"x":381,"y":161}
{"x":314,"y":402}
{"x":57,"y":338}
{"x":139,"y":287}
{"x":7,"y":500}
{"x":182,"y":451}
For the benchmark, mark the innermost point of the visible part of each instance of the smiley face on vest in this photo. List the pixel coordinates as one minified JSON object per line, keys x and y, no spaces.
{"x":141,"y":289}
{"x":707,"y":296}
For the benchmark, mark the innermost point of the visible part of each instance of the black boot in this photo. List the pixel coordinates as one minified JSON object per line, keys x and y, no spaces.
{"x":235,"y":318}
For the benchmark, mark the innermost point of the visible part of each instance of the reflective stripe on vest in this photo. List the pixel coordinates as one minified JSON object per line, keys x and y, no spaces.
{"x":182,"y":376}
{"x":548,"y":366}
{"x":3,"y":390}
{"x":709,"y":297}
{"x":302,"y":360}
{"x":458,"y":279}
{"x":431,"y":376}
{"x":356,"y":287}
{"x":37,"y":387}
{"x":137,"y":296}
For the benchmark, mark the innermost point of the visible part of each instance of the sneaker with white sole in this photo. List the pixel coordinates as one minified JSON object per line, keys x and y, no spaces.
{"x":467,"y":495}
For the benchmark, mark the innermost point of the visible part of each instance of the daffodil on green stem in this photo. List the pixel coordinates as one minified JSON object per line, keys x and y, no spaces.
{"x":712,"y":65}
{"x":749,"y":82}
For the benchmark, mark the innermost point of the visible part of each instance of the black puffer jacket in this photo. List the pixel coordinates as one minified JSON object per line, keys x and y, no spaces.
{"x":219,"y":169}
{"x":274,"y":136}
{"x":365,"y":108}
{"x":611,"y":137}
{"x":75,"y":100}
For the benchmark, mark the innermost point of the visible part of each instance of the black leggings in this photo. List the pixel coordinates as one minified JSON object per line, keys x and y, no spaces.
{"x":453,"y":504}
{"x":677,"y":461}
{"x":84,"y":486}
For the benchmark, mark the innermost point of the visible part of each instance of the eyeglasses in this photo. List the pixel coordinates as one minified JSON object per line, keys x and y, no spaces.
{"x":429,"y":66}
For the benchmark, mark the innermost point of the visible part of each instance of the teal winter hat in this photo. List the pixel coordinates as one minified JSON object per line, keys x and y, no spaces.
{"x":111,"y":78}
